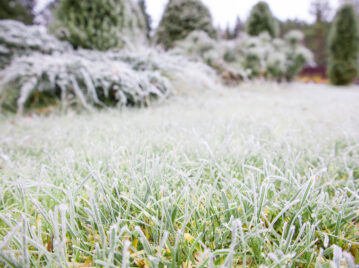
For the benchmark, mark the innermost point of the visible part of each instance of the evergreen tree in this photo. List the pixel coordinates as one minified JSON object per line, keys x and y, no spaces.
{"x":181,"y":17}
{"x":231,"y":33}
{"x":238,"y":28}
{"x":354,"y":3}
{"x":99,"y":24}
{"x":147,"y":17}
{"x":262,"y":20}
{"x":343,"y":47}
{"x":316,"y":36}
{"x":321,"y":10}
{"x":21,"y":10}
{"x":228,"y":33}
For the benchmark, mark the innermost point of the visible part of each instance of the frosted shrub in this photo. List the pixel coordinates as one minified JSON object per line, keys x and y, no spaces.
{"x":294,"y":37}
{"x":276,"y":64}
{"x":47,"y":72}
{"x":255,"y":53}
{"x":197,"y":43}
{"x":275,"y":58}
{"x":297,"y":54}
{"x":220,"y":55}
{"x":86,"y":77}
{"x":250,"y":57}
{"x":199,"y":46}
{"x":175,"y":67}
{"x":73,"y":78}
{"x":17,"y":39}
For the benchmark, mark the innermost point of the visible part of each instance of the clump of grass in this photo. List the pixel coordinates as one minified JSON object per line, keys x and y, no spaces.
{"x":176,"y":187}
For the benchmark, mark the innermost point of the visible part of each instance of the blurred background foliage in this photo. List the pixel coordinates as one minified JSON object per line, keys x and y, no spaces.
{"x":182,"y":17}
{"x":261,"y":20}
{"x":343,"y":47}
{"x":99,"y":24}
{"x":21,"y":10}
{"x":262,"y":47}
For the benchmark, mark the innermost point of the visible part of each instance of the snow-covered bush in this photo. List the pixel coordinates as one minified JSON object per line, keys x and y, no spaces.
{"x":74,"y":78}
{"x":274,"y":58}
{"x":17,"y":39}
{"x":297,"y":54}
{"x":198,"y":45}
{"x":255,"y":52}
{"x":249,"y":57}
{"x":46,"y":72}
{"x":87,"y":78}
{"x":177,"y":68}
{"x":220,"y":55}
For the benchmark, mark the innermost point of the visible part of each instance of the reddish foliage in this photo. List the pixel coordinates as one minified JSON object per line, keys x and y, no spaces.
{"x":314,"y":71}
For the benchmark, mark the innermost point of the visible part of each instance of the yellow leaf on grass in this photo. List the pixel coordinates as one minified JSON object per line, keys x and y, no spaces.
{"x":147,"y":234}
{"x":135,"y":243}
{"x":136,"y":254}
{"x":187,"y":264}
{"x":141,"y":263}
{"x":188,"y":237}
{"x":144,"y":263}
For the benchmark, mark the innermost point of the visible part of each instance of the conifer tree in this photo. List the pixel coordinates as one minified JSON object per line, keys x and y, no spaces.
{"x":147,"y":17}
{"x":238,"y":27}
{"x":261,"y":20}
{"x":99,"y":24}
{"x":343,"y":47}
{"x":354,"y":3}
{"x":181,"y":17}
{"x":20,"y":10}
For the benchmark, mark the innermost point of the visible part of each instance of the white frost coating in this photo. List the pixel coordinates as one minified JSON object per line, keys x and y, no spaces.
{"x":38,"y":62}
{"x":249,"y":56}
{"x":326,"y":240}
{"x":144,"y":163}
{"x":93,"y":77}
{"x":17,"y":39}
{"x":338,"y":254}
{"x":349,"y":260}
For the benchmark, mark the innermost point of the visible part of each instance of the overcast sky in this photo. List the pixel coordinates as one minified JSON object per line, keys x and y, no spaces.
{"x":225,"y":12}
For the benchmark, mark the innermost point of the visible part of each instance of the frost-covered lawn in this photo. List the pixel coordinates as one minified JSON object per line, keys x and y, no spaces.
{"x":261,"y":175}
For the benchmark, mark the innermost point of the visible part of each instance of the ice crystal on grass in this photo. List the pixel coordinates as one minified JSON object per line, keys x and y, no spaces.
{"x":255,"y":176}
